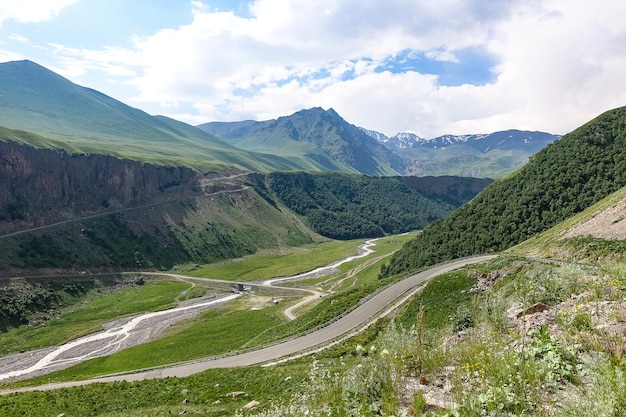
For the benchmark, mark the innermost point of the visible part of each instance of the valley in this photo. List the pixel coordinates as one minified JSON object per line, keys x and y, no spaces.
{"x":150,"y":267}
{"x":324,"y":335}
{"x":126,"y":332}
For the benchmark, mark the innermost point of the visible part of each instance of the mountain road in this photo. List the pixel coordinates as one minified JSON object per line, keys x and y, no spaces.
{"x":356,"y":318}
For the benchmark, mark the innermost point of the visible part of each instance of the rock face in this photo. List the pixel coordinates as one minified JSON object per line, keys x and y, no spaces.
{"x":63,"y":213}
{"x":43,"y":186}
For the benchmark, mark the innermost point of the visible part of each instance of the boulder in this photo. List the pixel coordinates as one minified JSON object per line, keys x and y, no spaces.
{"x":252,"y":404}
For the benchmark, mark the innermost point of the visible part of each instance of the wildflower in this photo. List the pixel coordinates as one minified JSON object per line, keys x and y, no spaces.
{"x":359,"y":349}
{"x":385,"y":352}
{"x":372,"y":349}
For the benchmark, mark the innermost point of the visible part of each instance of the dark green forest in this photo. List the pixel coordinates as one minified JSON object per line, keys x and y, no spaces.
{"x":347,"y":206}
{"x":566,"y":177}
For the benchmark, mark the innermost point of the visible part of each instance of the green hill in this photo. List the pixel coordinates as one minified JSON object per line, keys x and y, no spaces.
{"x":83,"y":120}
{"x":563,"y":179}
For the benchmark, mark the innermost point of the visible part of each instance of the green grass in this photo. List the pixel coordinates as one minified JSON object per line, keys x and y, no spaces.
{"x":289,"y":261}
{"x":207,"y":394}
{"x":220,"y":330}
{"x":89,"y":315}
{"x":441,"y":299}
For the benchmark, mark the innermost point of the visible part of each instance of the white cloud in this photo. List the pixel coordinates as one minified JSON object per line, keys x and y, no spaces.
{"x":28,"y":11}
{"x":18,"y":38}
{"x":559,"y":63}
{"x":294,"y":52}
{"x":443,"y":56}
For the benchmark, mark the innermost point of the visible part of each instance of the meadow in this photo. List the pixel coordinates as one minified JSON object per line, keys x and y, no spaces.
{"x":285,"y":262}
{"x":252,"y":320}
{"x":449,"y":339}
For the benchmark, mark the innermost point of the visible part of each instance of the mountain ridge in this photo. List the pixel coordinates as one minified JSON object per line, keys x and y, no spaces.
{"x":492,"y":155}
{"x":322,"y":135}
{"x":83,"y":120}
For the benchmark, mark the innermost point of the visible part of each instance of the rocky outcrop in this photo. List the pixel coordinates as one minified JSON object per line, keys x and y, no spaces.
{"x":44,"y":186}
{"x":64,"y":213}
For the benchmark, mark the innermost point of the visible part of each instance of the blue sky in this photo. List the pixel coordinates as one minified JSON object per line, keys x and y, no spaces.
{"x":453,"y":66}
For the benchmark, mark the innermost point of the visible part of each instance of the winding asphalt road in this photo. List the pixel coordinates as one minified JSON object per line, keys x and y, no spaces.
{"x":356,"y":318}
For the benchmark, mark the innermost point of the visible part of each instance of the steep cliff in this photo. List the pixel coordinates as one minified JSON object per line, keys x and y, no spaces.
{"x":97,"y":213}
{"x":44,"y":186}
{"x":75,"y":213}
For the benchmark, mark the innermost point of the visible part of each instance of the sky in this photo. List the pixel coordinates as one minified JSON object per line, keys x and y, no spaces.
{"x":423,"y":66}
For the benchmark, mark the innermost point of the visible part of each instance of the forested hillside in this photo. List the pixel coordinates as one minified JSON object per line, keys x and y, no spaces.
{"x":346,"y":206}
{"x":563,"y":179}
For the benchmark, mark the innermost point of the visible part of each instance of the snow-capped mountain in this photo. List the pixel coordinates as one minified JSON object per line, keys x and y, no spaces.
{"x":493,"y":154}
{"x":507,"y":139}
{"x":404,"y":140}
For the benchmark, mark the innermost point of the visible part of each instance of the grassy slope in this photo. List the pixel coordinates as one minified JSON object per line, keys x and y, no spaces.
{"x":192,"y":230}
{"x":84,"y":120}
{"x":322,"y":138}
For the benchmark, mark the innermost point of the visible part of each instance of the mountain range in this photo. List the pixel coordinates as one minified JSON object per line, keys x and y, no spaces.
{"x":67,"y":116}
{"x":509,"y":139}
{"x":493,"y":155}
